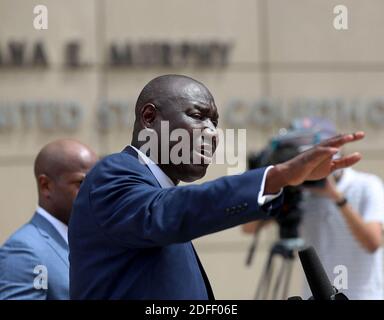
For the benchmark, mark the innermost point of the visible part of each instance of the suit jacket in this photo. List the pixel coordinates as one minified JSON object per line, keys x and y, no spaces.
{"x":131,"y":239}
{"x":34,"y":263}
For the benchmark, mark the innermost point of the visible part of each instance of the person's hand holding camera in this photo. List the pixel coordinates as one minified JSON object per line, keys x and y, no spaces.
{"x":329,"y":190}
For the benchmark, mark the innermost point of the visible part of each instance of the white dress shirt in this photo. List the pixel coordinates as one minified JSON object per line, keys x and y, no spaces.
{"x":61,"y":227}
{"x":166,"y":182}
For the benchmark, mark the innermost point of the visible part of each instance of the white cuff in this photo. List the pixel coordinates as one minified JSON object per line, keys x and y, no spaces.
{"x":263,"y":199}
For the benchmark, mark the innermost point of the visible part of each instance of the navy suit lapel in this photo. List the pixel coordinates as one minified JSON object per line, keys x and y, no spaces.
{"x":52,"y":236}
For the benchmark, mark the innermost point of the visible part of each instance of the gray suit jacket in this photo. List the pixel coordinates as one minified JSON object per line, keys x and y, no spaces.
{"x":34,"y":263}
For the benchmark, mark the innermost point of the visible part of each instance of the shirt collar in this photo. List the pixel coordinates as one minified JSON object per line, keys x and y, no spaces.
{"x":61,"y":227}
{"x":161,"y":177}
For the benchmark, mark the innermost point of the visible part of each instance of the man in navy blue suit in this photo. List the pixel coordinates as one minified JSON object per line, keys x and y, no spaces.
{"x":131,"y":227}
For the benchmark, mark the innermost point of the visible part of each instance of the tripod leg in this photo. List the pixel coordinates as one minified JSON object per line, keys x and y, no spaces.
{"x":252,"y":249}
{"x":279,"y":278}
{"x":287,"y":278}
{"x":265,"y":279}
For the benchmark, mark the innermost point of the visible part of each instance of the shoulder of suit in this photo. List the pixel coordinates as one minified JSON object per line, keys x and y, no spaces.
{"x":119,"y":162}
{"x":27,"y":237}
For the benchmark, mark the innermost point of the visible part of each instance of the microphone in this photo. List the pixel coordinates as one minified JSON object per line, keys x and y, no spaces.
{"x":317,"y":279}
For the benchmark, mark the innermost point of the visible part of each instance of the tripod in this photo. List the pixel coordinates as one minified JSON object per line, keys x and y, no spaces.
{"x":287,"y":249}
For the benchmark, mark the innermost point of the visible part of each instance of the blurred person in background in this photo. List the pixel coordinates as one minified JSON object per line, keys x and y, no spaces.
{"x":34,"y":260}
{"x":342,"y":219}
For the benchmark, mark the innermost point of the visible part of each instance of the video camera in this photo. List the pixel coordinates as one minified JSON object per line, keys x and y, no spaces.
{"x":283,"y":147}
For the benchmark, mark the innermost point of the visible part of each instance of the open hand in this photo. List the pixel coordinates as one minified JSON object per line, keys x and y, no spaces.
{"x":318,"y":162}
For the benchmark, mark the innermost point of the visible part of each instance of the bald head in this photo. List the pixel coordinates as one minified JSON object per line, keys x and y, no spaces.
{"x":61,"y":156}
{"x":167,"y":89}
{"x":59,"y":168}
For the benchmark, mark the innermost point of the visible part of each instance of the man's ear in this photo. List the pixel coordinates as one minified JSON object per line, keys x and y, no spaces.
{"x":148,"y":115}
{"x":45,"y":185}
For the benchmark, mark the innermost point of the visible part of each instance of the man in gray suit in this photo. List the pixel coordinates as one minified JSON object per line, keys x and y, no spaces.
{"x":34,"y":260}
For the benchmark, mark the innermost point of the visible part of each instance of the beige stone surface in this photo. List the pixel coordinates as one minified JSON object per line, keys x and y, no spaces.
{"x":303,"y":32}
{"x":49,"y":87}
{"x":67,"y":21}
{"x":199,"y":20}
